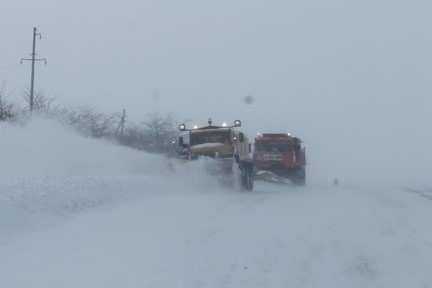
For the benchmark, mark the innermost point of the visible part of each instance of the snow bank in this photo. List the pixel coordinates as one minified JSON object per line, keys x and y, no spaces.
{"x":47,"y":169}
{"x":46,"y":148}
{"x":151,"y":222}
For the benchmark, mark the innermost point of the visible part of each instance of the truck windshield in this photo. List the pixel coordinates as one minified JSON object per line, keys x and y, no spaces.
{"x":273,"y":147}
{"x":202,"y":137}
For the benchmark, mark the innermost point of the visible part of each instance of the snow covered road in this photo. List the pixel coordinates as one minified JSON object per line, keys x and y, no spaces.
{"x":274,"y":237}
{"x":145,"y":227}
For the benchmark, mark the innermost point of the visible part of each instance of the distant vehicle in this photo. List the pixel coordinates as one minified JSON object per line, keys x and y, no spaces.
{"x":226,"y":144}
{"x":279,"y":156}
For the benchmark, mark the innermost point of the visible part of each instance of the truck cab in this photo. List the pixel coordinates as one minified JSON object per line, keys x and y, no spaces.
{"x":224,"y":143}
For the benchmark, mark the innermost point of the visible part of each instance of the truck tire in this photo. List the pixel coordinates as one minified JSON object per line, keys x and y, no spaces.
{"x":299,"y":176}
{"x":247,"y":176}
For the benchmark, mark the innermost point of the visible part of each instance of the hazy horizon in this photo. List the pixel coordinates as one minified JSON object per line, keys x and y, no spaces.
{"x":86,"y":203}
{"x":350,"y":78}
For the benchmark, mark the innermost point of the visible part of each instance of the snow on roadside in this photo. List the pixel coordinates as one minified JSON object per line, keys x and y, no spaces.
{"x":47,"y":148}
{"x":47,"y":169}
{"x":170,"y":225}
{"x":277,"y":236}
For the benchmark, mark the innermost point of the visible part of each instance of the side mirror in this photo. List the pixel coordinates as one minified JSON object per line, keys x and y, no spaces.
{"x":173,"y":141}
{"x":237,"y":123}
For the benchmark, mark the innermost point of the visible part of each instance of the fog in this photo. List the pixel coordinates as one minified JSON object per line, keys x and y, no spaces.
{"x":48,"y":172}
{"x":79,"y":212}
{"x":352,"y":79}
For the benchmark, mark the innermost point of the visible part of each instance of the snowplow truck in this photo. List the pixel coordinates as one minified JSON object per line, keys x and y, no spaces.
{"x":280,"y":156}
{"x":227,"y":145}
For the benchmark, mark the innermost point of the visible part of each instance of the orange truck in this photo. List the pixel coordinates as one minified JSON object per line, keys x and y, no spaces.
{"x":279,"y":156}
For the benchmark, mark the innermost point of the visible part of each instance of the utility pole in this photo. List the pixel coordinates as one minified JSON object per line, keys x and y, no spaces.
{"x":33,"y":59}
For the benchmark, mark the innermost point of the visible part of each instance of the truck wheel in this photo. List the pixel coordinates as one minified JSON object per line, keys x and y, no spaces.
{"x":299,"y":176}
{"x":247,"y":177}
{"x":249,"y":181}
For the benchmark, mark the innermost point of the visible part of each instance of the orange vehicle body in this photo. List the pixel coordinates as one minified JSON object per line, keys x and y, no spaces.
{"x":280,"y":154}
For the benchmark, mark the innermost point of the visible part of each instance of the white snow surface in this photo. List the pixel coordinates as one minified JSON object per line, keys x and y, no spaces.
{"x":77,"y":212}
{"x":207,"y":145}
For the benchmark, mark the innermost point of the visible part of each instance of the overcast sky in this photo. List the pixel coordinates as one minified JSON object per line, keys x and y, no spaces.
{"x":344,"y":75}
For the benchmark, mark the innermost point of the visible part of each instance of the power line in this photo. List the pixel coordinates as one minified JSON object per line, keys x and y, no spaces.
{"x":33,"y":59}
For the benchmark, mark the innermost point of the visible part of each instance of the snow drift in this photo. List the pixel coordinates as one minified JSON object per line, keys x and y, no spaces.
{"x":47,"y":169}
{"x":140,"y":220}
{"x":47,"y":148}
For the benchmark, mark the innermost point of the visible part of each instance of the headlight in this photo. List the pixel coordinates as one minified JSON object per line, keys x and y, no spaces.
{"x":237,"y":123}
{"x":182,"y":127}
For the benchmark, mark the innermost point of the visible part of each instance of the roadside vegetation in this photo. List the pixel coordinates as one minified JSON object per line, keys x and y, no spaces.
{"x":153,"y":134}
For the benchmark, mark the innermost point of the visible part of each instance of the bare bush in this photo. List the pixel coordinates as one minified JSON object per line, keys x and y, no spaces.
{"x":88,"y":121}
{"x":152,"y":135}
{"x":41,"y":102}
{"x":134,"y":136}
{"x":7,"y":110}
{"x":158,"y":130}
